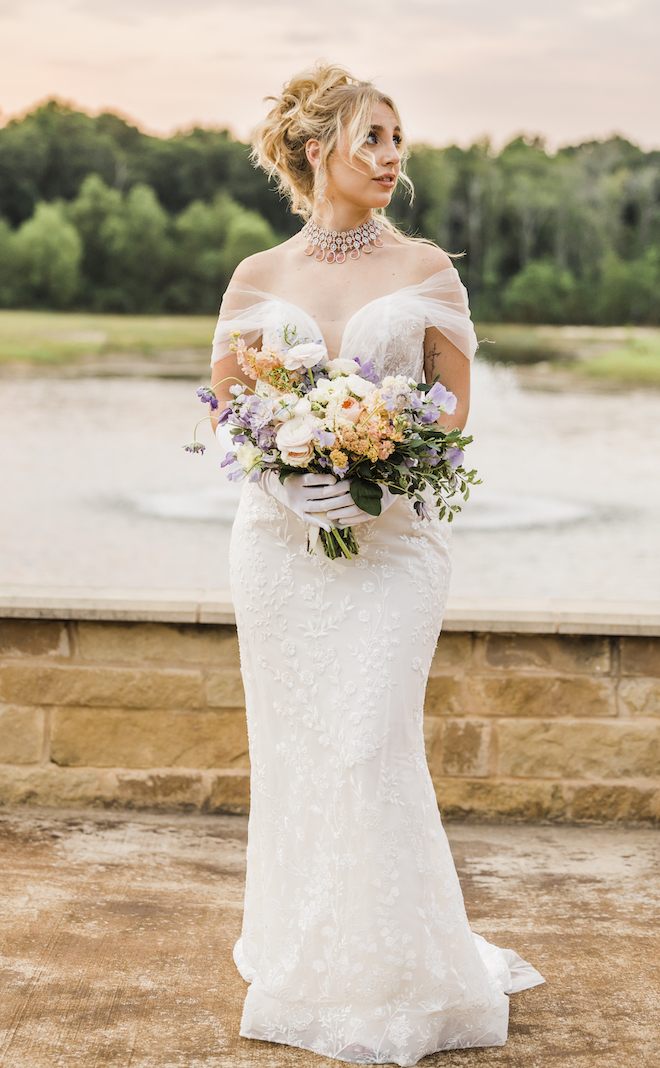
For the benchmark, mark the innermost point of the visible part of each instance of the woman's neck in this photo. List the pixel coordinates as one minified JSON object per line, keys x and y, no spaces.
{"x":340,"y":217}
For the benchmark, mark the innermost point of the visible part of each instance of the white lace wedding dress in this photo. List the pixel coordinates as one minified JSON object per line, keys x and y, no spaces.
{"x":355,"y":940}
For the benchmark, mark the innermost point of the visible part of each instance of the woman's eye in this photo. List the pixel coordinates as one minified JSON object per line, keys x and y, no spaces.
{"x":372,"y":138}
{"x":397,"y":139}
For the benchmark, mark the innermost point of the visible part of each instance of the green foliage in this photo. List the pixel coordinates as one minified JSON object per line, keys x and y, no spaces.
{"x":48,"y":252}
{"x":540,"y":293}
{"x":569,"y":237}
{"x":139,"y":253}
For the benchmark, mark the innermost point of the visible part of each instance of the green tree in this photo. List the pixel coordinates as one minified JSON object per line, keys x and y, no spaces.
{"x":48,"y":252}
{"x":91,"y":213}
{"x":139,"y":253}
{"x":10,"y":268}
{"x":540,"y":293}
{"x":211,"y":239}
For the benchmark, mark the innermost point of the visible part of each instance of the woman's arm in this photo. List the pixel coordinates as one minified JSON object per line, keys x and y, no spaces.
{"x":444,"y":361}
{"x":227,"y":368}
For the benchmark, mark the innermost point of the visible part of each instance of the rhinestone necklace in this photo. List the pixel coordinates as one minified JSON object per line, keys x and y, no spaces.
{"x":333,"y":245}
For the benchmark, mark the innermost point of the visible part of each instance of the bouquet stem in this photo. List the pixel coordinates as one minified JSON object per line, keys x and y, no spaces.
{"x":336,"y":543}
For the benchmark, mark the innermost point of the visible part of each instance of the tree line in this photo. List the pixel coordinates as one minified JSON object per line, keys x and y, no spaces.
{"x":95,"y":214}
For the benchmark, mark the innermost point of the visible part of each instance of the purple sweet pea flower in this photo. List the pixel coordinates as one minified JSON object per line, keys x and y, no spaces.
{"x":340,"y":471}
{"x":224,"y":416}
{"x":326,"y":437}
{"x":207,"y":396}
{"x":423,"y":510}
{"x":429,"y":414}
{"x":230,"y":458}
{"x":455,"y":457}
{"x":442,"y":398}
{"x":367,"y":371}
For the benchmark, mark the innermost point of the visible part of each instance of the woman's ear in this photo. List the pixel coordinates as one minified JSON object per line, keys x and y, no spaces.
{"x":313,"y":152}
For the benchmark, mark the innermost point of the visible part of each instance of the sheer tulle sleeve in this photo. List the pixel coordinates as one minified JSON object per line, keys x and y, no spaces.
{"x":241,"y":309}
{"x":444,"y":303}
{"x":257,"y":314}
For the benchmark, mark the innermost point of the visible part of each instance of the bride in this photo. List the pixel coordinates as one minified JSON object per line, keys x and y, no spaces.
{"x":355,"y":940}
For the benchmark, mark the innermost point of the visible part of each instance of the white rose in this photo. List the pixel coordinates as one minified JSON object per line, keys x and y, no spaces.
{"x":296,"y":433}
{"x":342,"y":367}
{"x":359,"y":386}
{"x":303,"y":407}
{"x":304,"y":356}
{"x":248,"y":455}
{"x":298,"y":457}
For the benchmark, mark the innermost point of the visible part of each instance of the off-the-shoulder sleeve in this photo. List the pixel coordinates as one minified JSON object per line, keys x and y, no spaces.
{"x":444,"y":304}
{"x":243,"y":308}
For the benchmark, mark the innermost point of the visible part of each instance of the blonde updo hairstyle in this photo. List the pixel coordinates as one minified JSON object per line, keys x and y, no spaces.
{"x":323,"y":103}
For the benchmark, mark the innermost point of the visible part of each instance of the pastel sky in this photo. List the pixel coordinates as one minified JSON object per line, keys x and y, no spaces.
{"x":569,"y":69}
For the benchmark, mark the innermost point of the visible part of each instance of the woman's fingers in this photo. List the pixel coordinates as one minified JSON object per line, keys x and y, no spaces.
{"x":338,"y":489}
{"x":334,"y":504}
{"x":311,"y":479}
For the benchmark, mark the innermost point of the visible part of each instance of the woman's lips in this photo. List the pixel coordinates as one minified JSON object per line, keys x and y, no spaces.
{"x":386,"y":180}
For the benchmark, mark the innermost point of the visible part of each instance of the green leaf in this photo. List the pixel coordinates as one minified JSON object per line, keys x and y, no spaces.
{"x":367,"y":495}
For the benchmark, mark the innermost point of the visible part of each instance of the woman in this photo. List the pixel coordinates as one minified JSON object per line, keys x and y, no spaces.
{"x":355,"y":940}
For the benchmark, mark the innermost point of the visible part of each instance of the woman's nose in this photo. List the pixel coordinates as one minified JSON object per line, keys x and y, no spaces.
{"x":391,"y":155}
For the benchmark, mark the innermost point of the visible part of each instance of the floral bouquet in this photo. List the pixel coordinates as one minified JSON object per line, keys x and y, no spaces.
{"x":310,"y":413}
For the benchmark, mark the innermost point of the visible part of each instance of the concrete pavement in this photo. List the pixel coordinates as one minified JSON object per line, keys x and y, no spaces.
{"x":117,"y":931}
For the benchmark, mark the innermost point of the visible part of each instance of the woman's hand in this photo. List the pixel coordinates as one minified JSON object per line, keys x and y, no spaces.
{"x":307,"y":495}
{"x":346,"y":513}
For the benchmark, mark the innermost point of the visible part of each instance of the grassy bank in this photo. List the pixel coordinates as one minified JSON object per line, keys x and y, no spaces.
{"x":629,"y":355}
{"x":63,"y":338}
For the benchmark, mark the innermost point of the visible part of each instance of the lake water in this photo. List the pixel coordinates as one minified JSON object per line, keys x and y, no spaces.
{"x":96,"y":490}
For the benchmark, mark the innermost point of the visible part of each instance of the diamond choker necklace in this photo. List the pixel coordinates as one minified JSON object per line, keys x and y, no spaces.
{"x":333,"y":245}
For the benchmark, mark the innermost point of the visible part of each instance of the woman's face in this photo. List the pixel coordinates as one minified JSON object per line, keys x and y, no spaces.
{"x":353,"y":181}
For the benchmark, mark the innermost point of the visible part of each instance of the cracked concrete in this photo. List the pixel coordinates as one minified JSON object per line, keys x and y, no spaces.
{"x":117,"y":931}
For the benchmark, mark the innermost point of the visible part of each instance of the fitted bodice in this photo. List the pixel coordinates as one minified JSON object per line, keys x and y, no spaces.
{"x":388,"y":330}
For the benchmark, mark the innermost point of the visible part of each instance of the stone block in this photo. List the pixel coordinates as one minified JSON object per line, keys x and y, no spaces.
{"x":640,"y":697}
{"x":33,"y":637}
{"x":38,"y":683}
{"x":453,"y":650}
{"x":612,"y":802}
{"x":465,"y":747}
{"x":433,"y":742}
{"x":640,"y":656}
{"x":579,"y":750}
{"x":51,"y":786}
{"x":540,"y":697}
{"x":230,"y":792}
{"x":159,"y":643}
{"x":21,"y":734}
{"x":160,"y":791}
{"x":443,"y":696}
{"x":569,"y":654}
{"x":488,"y":799}
{"x":224,"y":689}
{"x":150,"y":739}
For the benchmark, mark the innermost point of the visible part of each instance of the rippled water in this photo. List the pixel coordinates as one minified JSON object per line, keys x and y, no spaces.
{"x":95,"y":490}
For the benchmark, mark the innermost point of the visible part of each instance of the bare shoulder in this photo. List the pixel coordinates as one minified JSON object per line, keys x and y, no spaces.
{"x":262,"y":268}
{"x":428,"y":259}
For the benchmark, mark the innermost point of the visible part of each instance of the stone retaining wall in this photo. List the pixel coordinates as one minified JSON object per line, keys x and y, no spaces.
{"x":522,"y":721}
